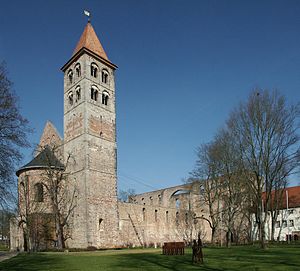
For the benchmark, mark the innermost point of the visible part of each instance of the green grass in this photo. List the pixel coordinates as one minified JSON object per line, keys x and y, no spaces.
{"x":235,"y":258}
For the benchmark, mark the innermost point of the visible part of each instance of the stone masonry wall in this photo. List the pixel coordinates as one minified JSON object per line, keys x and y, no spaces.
{"x":154,"y":217}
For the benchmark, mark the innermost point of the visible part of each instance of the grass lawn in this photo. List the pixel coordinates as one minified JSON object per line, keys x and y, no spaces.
{"x":235,"y":258}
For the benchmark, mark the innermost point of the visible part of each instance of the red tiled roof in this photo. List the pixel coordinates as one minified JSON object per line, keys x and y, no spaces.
{"x":89,"y":40}
{"x":293,"y":197}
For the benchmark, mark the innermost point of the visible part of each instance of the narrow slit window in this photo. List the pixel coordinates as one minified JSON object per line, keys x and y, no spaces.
{"x":177,"y":218}
{"x":155,"y":215}
{"x":94,"y":93}
{"x":78,"y":93}
{"x":105,"y":98}
{"x":94,"y":70}
{"x":70,"y":97}
{"x":70,"y":76}
{"x":104,"y":76}
{"x":159,"y":199}
{"x":78,"y":70}
{"x":39,"y":192}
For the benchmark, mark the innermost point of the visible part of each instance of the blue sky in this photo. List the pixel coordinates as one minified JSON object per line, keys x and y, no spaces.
{"x":183,"y":66}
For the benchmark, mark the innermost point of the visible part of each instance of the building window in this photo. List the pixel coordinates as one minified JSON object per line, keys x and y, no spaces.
{"x":70,"y":98}
{"x":177,"y":218}
{"x":291,"y":223}
{"x":78,"y":70}
{"x":94,"y":70}
{"x":38,"y":192}
{"x":144,"y":214}
{"x":155,"y":215}
{"x":70,"y":76}
{"x":159,"y":199}
{"x":291,"y":211}
{"x":284,"y":223}
{"x":94,"y":93}
{"x":151,"y":200}
{"x":177,"y":203}
{"x":100,"y":221}
{"x":277,"y":224}
{"x":105,"y":98}
{"x":186,"y":218}
{"x":104,"y":76}
{"x":78,"y":93}
{"x":167,"y":216}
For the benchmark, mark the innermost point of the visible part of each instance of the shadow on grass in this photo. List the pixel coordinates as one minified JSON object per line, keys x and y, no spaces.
{"x":156,"y":261}
{"x":31,"y":262}
{"x":254,"y":258}
{"x":234,"y":259}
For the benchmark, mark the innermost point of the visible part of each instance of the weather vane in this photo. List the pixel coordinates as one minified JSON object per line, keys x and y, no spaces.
{"x":88,"y":14}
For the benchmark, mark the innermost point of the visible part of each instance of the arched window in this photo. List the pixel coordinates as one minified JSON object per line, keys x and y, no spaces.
{"x":155,"y":215}
{"x":144,"y":214}
{"x":105,"y":97}
{"x":78,"y":70}
{"x":177,"y":203}
{"x":104,"y":76}
{"x":94,"y":93}
{"x":94,"y":70}
{"x":167,"y":216}
{"x":177,"y":218}
{"x":70,"y":98}
{"x":39,"y":192}
{"x":70,"y":76}
{"x":100,"y":221}
{"x":159,"y":199}
{"x":78,"y":93}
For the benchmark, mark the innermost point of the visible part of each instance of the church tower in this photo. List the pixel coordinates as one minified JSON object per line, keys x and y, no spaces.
{"x":90,"y":140}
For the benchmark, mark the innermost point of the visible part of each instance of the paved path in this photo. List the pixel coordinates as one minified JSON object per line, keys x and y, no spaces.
{"x":4,"y":255}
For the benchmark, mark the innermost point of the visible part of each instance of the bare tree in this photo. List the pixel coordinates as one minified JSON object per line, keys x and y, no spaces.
{"x":47,"y":199}
{"x":13,"y":131}
{"x":232,"y":182}
{"x":206,"y":172}
{"x":61,"y":190}
{"x":188,"y":227}
{"x":276,"y":204}
{"x":32,"y":215}
{"x":265,"y":130}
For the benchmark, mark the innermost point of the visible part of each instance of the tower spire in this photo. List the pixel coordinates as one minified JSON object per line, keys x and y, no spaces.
{"x":90,"y":41}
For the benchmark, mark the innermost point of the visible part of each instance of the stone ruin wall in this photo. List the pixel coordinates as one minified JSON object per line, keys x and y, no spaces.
{"x":152,"y":218}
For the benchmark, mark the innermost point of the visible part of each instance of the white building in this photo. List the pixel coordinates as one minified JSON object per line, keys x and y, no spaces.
{"x":288,"y":220}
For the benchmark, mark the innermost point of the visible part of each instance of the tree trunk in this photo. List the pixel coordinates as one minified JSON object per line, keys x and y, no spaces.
{"x":213,"y":232}
{"x":228,"y":239}
{"x":273,"y":229}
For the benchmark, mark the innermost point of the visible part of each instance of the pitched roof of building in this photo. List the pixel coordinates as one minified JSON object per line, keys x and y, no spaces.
{"x":50,"y":136}
{"x":45,"y":159}
{"x":90,"y":41}
{"x":293,"y":197}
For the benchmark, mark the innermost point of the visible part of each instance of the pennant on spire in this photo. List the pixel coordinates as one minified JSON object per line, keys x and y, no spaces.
{"x":90,"y":41}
